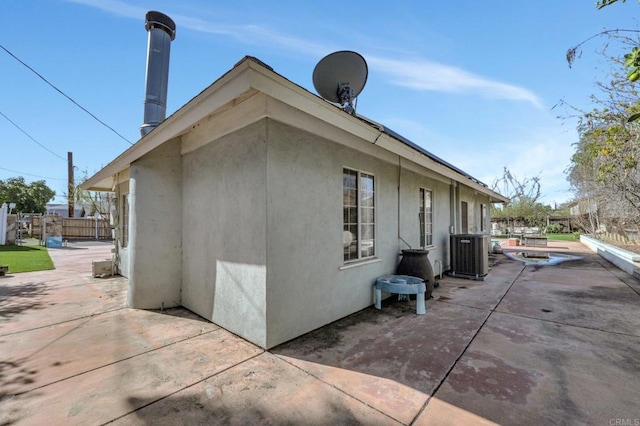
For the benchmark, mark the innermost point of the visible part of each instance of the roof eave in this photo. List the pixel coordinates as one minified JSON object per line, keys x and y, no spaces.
{"x":236,"y":83}
{"x":250,"y":76}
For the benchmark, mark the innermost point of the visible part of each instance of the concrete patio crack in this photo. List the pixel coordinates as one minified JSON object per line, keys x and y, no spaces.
{"x":568,"y":324}
{"x":455,"y":363}
{"x":335,"y":387}
{"x":63,"y":322}
{"x":186,"y":387}
{"x":114,"y":362}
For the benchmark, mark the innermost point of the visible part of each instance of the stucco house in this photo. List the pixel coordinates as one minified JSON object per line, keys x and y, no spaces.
{"x":266,"y":209}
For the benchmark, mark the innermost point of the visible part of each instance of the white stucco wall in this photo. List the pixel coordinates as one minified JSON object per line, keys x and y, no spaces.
{"x":224,"y":232}
{"x":308,"y":285}
{"x":411,"y":182}
{"x":155,"y":240}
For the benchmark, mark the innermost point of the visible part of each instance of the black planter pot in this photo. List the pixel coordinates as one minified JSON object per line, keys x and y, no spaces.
{"x":415,"y":262}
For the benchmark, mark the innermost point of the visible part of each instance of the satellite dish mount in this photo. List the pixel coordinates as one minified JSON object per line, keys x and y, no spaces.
{"x":340,"y":77}
{"x":346,"y":95}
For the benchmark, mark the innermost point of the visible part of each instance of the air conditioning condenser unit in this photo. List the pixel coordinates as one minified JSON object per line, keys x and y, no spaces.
{"x":469,"y":255}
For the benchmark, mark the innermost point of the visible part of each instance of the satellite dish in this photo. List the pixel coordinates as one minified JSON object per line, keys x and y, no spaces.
{"x":340,"y":77}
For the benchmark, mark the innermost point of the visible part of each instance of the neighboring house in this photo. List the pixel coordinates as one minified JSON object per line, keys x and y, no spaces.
{"x":583,"y":207}
{"x":232,"y":207}
{"x":585,"y":215}
{"x":560,"y":218}
{"x":63,"y":210}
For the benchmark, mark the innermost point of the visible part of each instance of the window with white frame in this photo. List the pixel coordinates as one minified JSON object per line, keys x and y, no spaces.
{"x":358,"y":207}
{"x":483,"y":217}
{"x":426,"y":217}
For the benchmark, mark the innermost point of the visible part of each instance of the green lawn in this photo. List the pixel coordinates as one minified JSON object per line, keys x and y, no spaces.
{"x":562,"y":237}
{"x":550,"y":237}
{"x":26,"y":258}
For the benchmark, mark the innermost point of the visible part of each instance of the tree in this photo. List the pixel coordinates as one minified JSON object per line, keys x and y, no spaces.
{"x":604,"y":3}
{"x":523,"y":195}
{"x":515,"y":189}
{"x":604,"y":170}
{"x":29,"y":198}
{"x":93,"y":202}
{"x":631,"y":60}
{"x":605,"y":166}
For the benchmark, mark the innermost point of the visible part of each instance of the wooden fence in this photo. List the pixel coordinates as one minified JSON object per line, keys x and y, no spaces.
{"x":75,"y":228}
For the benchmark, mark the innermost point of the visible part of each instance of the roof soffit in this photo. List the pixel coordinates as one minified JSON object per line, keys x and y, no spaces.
{"x":235,"y":85}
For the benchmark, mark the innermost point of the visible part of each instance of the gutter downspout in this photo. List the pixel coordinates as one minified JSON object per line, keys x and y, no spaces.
{"x":399,"y":204}
{"x":453,"y":207}
{"x":399,"y":186}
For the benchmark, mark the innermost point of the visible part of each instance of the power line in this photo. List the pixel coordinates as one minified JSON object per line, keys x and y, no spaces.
{"x":31,"y":137}
{"x":28,"y":174}
{"x":65,"y":95}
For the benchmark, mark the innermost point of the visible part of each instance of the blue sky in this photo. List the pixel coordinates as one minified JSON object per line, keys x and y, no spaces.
{"x":472,"y":81}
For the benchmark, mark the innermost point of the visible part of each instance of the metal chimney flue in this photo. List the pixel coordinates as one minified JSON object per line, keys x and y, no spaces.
{"x":162,"y":30}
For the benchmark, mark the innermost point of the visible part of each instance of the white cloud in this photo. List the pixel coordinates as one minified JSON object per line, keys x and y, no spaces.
{"x":251,"y":34}
{"x":427,"y":75}
{"x":543,"y":149}
{"x":533,"y":155}
{"x":115,"y":7}
{"x":420,"y":74}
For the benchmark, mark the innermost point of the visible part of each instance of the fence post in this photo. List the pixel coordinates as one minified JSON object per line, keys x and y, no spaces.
{"x":97,"y":236}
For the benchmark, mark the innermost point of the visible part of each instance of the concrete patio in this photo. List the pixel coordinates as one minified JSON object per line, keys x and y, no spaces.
{"x":529,"y":345}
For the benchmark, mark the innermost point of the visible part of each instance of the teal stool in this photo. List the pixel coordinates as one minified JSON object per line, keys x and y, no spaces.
{"x":402,"y":284}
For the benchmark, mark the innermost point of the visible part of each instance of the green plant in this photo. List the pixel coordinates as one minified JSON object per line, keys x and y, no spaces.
{"x":561,"y":237}
{"x":556,"y":228}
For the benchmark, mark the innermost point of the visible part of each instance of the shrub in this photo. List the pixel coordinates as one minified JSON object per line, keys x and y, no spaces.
{"x":556,"y":228}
